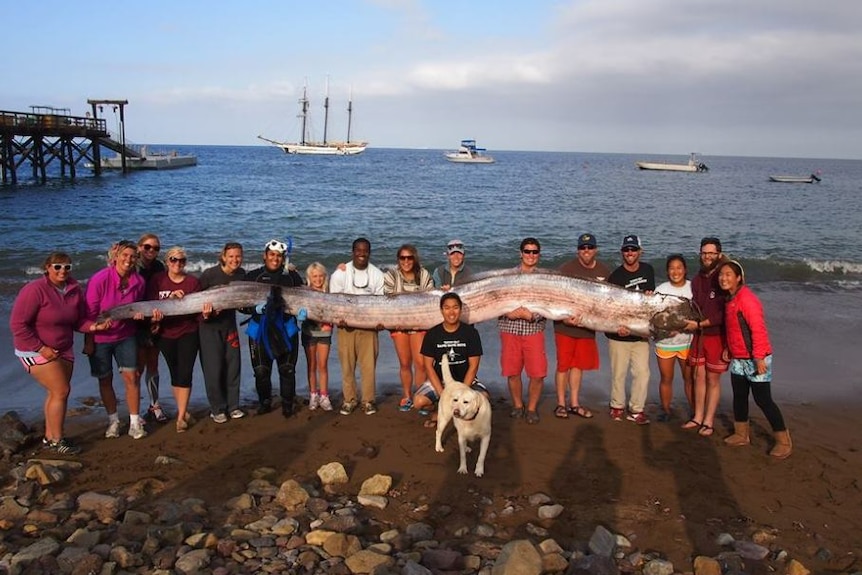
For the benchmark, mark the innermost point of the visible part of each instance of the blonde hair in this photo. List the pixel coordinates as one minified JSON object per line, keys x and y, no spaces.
{"x":229,"y":246}
{"x":143,"y":239}
{"x":318,"y":267}
{"x":174,"y":252}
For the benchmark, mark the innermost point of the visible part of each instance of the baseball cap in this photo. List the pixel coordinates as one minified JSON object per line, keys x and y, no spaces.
{"x":455,"y":247}
{"x":631,"y":242}
{"x":587,"y":240}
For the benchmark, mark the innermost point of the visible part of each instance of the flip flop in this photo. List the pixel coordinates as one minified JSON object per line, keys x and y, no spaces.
{"x":581,"y":411}
{"x":705,"y":430}
{"x":691,"y":424}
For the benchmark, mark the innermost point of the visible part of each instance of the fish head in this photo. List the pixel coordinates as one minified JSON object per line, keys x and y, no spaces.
{"x":673,"y":317}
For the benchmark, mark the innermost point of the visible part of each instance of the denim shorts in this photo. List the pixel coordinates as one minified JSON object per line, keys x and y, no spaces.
{"x":125,"y":352}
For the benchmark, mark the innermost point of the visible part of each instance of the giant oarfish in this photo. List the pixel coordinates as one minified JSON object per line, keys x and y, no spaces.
{"x":599,"y":306}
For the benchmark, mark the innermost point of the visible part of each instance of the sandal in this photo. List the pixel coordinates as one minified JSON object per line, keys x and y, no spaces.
{"x":692,"y":424}
{"x":430,"y":423}
{"x":532,"y":417}
{"x":705,"y":430}
{"x":517,"y":412}
{"x":581,"y":411}
{"x":406,"y":404}
{"x":561,"y":412}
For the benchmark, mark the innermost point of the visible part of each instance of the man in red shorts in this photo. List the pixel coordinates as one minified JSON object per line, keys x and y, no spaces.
{"x":577,"y":351}
{"x":522,"y":344}
{"x":705,"y":354}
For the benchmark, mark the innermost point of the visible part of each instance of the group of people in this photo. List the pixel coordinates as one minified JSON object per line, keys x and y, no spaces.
{"x":731,"y":334}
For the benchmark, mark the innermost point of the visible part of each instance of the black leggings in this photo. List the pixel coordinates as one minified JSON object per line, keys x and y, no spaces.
{"x":762,"y":392}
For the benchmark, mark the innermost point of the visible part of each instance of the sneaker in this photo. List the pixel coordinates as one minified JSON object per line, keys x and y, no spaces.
{"x":347,"y":407}
{"x":237,"y":414}
{"x":314,"y":402}
{"x":137,"y":431}
{"x":219,"y":417}
{"x":113,"y":430}
{"x":265,"y":407}
{"x":157,"y":413}
{"x":639,"y":418}
{"x":369,"y":408}
{"x":325,"y":404}
{"x":617,"y":413}
{"x":62,"y":447}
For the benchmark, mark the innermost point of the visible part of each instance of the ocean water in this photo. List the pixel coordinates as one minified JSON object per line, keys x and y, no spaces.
{"x":800,"y":243}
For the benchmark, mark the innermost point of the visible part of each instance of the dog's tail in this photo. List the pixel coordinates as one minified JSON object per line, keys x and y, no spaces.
{"x":447,"y":373}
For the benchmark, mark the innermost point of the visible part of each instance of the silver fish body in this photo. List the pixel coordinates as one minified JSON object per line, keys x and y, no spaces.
{"x":600,"y":306}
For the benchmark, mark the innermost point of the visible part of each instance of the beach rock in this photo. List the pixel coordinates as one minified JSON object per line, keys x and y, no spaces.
{"x":550,"y":511}
{"x":318,"y":537}
{"x":518,"y":557}
{"x":11,"y":510}
{"x":749,"y":550}
{"x":332,"y":474}
{"x":658,"y":567}
{"x":441,"y":559}
{"x":242,"y":502}
{"x":592,"y":565}
{"x":342,"y":545}
{"x":724,"y":539}
{"x":366,"y":561}
{"x":706,"y":566}
{"x":602,"y":542}
{"x":292,"y":495}
{"x":419,"y":531}
{"x":90,"y":563}
{"x":193,"y":561}
{"x":794,"y":567}
{"x":376,"y":501}
{"x":106,"y":507}
{"x":537,"y":499}
{"x":554,"y":563}
{"x":413,"y":568}
{"x":536,"y":530}
{"x":33,"y":552}
{"x":376,"y":485}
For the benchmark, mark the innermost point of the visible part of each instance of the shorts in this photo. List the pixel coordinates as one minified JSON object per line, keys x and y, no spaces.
{"x":672,"y":353}
{"x":523,"y":352}
{"x":396,"y":332}
{"x":747,"y":369}
{"x":706,"y":350}
{"x":576,"y":352}
{"x":125,"y":352}
{"x":427,"y":390}
{"x":308,"y":340}
{"x":29,"y":360}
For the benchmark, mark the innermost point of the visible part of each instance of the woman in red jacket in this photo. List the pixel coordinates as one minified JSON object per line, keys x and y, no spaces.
{"x":44,"y":317}
{"x":750,"y":356}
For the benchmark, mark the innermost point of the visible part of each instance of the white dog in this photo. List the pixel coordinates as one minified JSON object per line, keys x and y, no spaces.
{"x":471,"y":412}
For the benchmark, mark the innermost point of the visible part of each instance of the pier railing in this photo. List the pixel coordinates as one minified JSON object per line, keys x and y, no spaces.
{"x":23,"y":124}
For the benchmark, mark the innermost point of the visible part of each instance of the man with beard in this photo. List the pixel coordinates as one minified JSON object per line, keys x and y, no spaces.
{"x":705,"y":354}
{"x":283,"y":348}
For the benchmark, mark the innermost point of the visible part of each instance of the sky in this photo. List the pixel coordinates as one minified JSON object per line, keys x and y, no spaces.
{"x":776,"y":78}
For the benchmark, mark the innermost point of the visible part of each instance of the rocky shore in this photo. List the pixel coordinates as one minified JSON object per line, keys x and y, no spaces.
{"x":337,"y":515}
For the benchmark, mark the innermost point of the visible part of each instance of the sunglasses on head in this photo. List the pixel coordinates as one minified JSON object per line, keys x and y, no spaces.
{"x":63,"y":267}
{"x":151,"y":248}
{"x":174,"y":260}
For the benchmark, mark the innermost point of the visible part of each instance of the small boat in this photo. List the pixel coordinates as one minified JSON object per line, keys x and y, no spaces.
{"x":693,"y":165}
{"x":325,"y":147}
{"x":795,"y":179}
{"x":150,"y":160}
{"x":468,"y":153}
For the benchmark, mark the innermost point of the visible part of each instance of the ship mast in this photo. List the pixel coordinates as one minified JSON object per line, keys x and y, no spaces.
{"x":349,"y":113}
{"x":326,"y":111}
{"x":304,"y":113}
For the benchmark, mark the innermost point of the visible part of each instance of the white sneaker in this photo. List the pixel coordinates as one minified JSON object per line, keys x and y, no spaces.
{"x":137,"y":431}
{"x":237,"y":414}
{"x":314,"y":402}
{"x":219,"y":417}
{"x":113,"y":430}
{"x":325,"y":404}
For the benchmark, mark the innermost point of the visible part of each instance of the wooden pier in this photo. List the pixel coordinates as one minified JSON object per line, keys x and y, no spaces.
{"x":47,"y":135}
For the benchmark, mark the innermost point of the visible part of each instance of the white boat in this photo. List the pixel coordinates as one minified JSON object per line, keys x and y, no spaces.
{"x":150,"y":160}
{"x":693,"y":165}
{"x":795,"y":179}
{"x":325,"y":147}
{"x":468,"y":153}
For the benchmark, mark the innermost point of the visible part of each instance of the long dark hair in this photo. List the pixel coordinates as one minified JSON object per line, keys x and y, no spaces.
{"x":417,"y":266}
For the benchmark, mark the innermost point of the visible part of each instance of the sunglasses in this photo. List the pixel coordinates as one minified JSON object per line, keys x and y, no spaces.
{"x":531,"y":252}
{"x":459,"y":246}
{"x":177,"y":260}
{"x":406,"y":258}
{"x":150,"y":248}
{"x":63,"y":267}
{"x":586,"y":248}
{"x":629,"y":250}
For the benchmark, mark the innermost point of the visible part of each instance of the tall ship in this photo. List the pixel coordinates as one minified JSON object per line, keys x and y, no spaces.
{"x":326,"y":147}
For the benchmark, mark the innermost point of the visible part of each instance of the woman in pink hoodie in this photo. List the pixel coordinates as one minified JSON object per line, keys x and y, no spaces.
{"x":44,"y":317}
